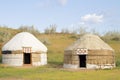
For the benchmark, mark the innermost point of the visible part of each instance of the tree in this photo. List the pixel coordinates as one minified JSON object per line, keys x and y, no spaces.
{"x":51,"y":29}
{"x":112,"y":35}
{"x":65,"y":31}
{"x":82,"y":30}
{"x":93,"y":31}
{"x":30,"y":29}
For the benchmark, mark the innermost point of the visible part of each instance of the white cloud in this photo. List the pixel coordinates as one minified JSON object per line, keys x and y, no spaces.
{"x":63,"y":2}
{"x":92,"y":18}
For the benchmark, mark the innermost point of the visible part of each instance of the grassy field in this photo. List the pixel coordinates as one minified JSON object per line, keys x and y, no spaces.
{"x":54,"y":70}
{"x":45,"y":73}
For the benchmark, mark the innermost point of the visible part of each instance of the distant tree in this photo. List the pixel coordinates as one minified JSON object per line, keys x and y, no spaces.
{"x":65,"y":31}
{"x":30,"y":29}
{"x":112,"y":35}
{"x":47,"y":31}
{"x":82,"y":30}
{"x":93,"y":31}
{"x":51,"y":29}
{"x":73,"y":30}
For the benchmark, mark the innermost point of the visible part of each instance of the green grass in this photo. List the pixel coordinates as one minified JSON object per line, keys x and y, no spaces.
{"x":45,"y":73}
{"x":54,"y":70}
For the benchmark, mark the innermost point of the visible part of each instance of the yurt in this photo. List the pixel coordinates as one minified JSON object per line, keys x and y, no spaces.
{"x":89,"y":52}
{"x":24,"y":48}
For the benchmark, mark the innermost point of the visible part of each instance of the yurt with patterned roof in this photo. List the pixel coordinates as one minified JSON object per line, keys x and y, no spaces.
{"x":24,"y":48}
{"x":89,"y":52}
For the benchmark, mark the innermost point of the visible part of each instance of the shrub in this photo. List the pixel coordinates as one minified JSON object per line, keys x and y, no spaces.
{"x":0,"y":58}
{"x":118,"y":63}
{"x":74,"y":36}
{"x":45,"y":41}
{"x":116,"y":38}
{"x":111,"y":35}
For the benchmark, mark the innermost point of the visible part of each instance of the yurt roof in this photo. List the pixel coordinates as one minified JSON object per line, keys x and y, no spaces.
{"x":24,"y":39}
{"x":91,"y":42}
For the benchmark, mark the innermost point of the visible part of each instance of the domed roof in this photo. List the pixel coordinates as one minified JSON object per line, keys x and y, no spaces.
{"x":24,"y":39}
{"x":91,"y":42}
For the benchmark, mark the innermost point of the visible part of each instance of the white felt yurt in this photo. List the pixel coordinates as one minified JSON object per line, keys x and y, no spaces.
{"x":24,"y":48}
{"x":89,"y":52}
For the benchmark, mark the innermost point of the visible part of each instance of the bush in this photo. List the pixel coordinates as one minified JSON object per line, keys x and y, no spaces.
{"x":74,"y":36}
{"x":0,"y":58}
{"x":45,"y":41}
{"x":118,"y":63}
{"x":111,"y":35}
{"x":5,"y":36}
{"x":116,"y":38}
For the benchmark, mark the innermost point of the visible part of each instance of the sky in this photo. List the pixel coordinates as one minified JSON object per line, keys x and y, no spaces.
{"x":98,"y":15}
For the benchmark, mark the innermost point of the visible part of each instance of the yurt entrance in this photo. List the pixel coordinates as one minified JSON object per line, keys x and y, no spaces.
{"x":82,"y":52}
{"x":27,"y":58}
{"x":82,"y":61}
{"x":27,"y":55}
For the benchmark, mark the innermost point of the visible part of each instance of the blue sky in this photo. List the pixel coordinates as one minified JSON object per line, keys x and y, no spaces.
{"x":101,"y":15}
